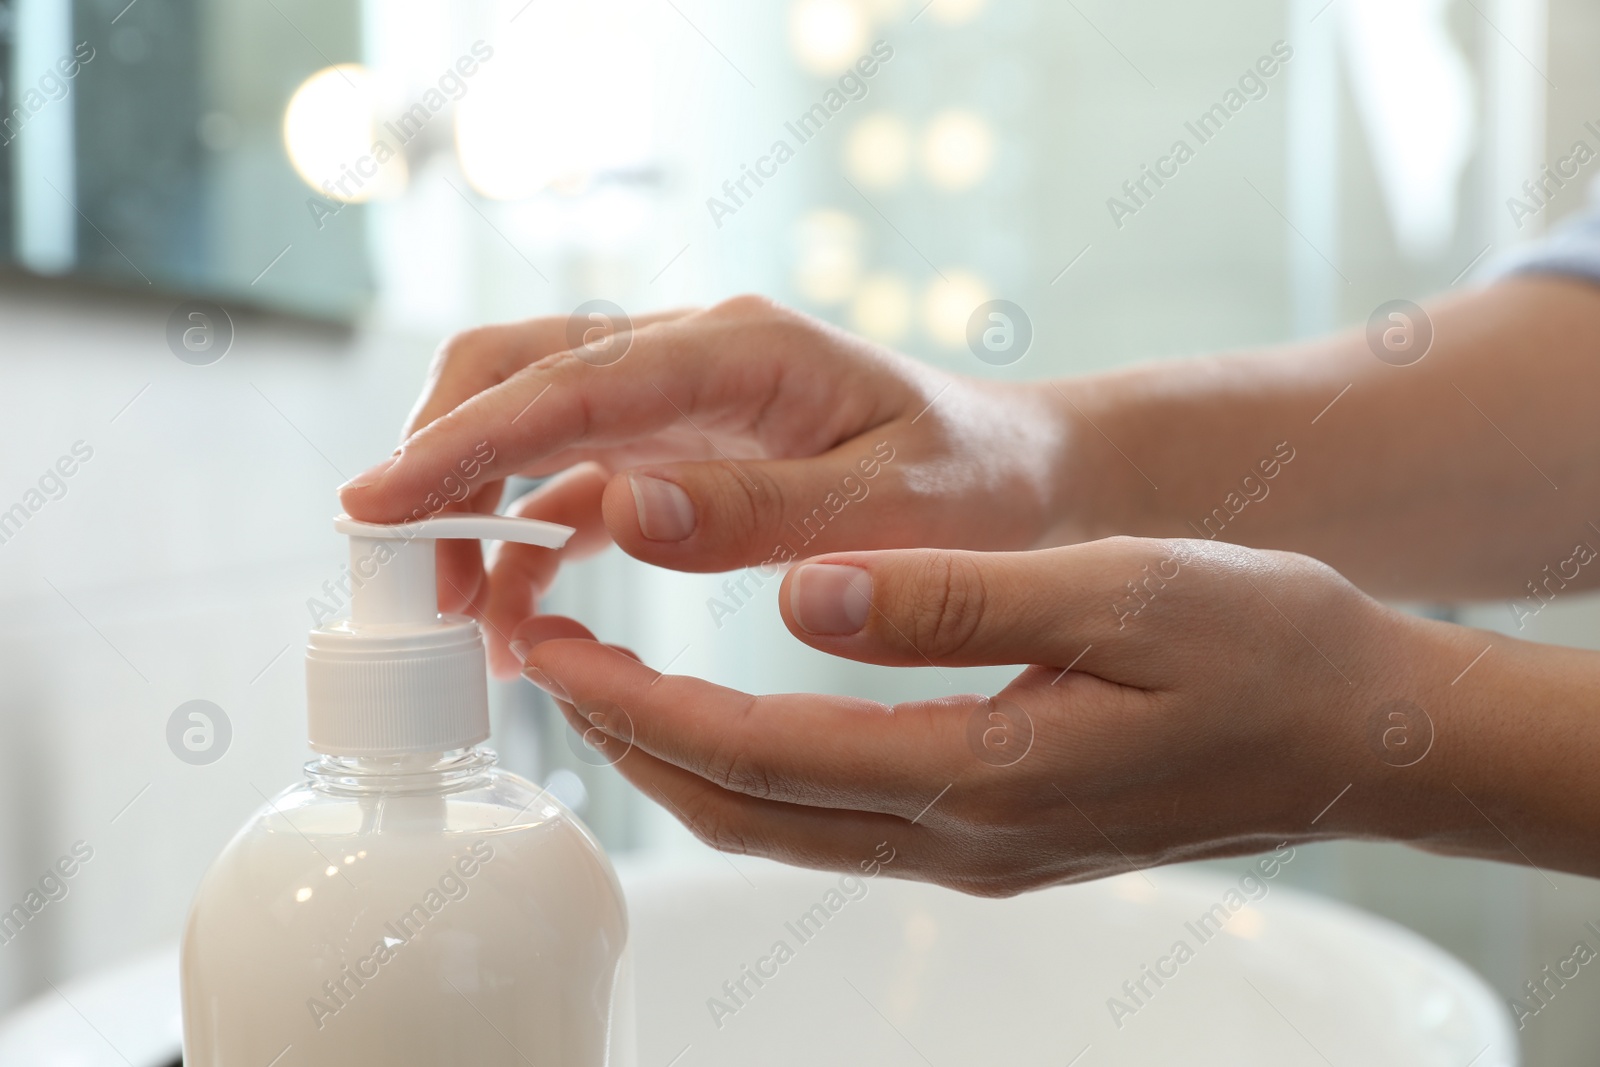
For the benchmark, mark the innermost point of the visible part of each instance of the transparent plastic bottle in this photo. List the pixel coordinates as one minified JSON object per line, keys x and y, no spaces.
{"x":410,"y":904}
{"x":422,"y":910}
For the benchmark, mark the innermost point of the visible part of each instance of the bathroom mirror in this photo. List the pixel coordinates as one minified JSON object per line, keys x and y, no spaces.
{"x":143,"y":146}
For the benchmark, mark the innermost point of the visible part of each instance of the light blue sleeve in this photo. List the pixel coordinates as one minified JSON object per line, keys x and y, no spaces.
{"x":1572,"y":248}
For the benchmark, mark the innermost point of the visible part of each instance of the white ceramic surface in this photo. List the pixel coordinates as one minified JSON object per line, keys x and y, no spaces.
{"x":910,"y":974}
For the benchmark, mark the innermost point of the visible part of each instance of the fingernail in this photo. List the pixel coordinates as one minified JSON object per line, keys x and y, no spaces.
{"x":371,"y":475}
{"x":520,"y":649}
{"x":830,"y":599}
{"x":542,"y":680}
{"x":665,"y":511}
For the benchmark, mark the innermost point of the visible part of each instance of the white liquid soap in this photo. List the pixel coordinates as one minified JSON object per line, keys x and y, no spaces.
{"x":410,"y":904}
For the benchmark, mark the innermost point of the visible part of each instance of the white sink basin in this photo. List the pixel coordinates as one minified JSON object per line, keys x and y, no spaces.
{"x":901,"y":973}
{"x":915,"y":975}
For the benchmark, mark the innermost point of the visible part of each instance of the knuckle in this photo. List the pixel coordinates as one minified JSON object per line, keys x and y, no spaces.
{"x":946,"y":604}
{"x":732,"y":770}
{"x":468,"y":346}
{"x":996,"y":884}
{"x":746,"y":305}
{"x":540,"y":368}
{"x":754,"y":497}
{"x":1128,"y":543}
{"x":1000,"y":888}
{"x":481,"y":354}
{"x":709,"y":821}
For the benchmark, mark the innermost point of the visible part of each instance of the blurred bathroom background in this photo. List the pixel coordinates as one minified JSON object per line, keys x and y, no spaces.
{"x":540,"y":154}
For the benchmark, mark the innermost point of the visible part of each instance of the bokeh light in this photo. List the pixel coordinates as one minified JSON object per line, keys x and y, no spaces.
{"x":829,"y":261}
{"x":877,"y":150}
{"x":827,"y":35}
{"x":502,"y":149}
{"x":882,"y":308}
{"x":540,"y":116}
{"x":954,"y":12}
{"x":949,"y":303}
{"x":957,"y":149}
{"x":329,"y":135}
{"x":889,"y":10}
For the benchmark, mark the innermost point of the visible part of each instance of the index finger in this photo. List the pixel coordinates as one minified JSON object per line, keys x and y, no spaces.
{"x":535,"y":419}
{"x":801,"y":748}
{"x":470,"y":362}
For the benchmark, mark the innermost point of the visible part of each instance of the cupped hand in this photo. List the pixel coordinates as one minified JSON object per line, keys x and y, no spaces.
{"x":717,"y":439}
{"x":1182,"y":699}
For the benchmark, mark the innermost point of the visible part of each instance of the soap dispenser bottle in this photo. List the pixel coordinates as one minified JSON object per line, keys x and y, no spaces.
{"x":409,"y":904}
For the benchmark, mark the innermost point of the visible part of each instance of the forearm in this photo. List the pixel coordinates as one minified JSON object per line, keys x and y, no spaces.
{"x":1461,"y":476}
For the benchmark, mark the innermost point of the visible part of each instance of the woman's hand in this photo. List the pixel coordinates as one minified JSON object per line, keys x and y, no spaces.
{"x":1188,"y":699}
{"x":716,"y":435}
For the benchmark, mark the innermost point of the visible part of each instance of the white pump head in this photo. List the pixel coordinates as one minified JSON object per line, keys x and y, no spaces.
{"x":398,"y":677}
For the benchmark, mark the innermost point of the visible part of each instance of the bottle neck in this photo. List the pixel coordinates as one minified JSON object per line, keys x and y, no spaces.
{"x":414,"y":773}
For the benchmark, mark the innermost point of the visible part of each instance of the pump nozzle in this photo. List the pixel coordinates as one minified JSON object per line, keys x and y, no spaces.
{"x":399,"y":677}
{"x":394,"y":574}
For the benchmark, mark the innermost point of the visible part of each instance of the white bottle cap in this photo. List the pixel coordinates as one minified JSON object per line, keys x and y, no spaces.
{"x":397,"y":676}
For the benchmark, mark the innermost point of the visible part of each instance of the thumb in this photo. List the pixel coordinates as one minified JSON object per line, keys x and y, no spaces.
{"x":924,"y":606}
{"x":722,"y":514}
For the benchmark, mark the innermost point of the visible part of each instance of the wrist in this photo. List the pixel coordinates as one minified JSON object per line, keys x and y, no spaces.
{"x":1490,"y":751}
{"x":1398,"y":768}
{"x":1023,"y":471}
{"x":1087,"y":493}
{"x":1099,"y":490}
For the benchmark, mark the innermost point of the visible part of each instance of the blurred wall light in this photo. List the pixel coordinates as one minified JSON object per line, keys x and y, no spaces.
{"x":329,"y":132}
{"x":887,"y":10}
{"x":949,"y":303}
{"x":882,"y":308}
{"x":954,"y":12}
{"x":568,"y":97}
{"x":829,"y":260}
{"x":878,"y":150}
{"x":502,"y":155}
{"x":957,"y":149}
{"x":827,"y":35}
